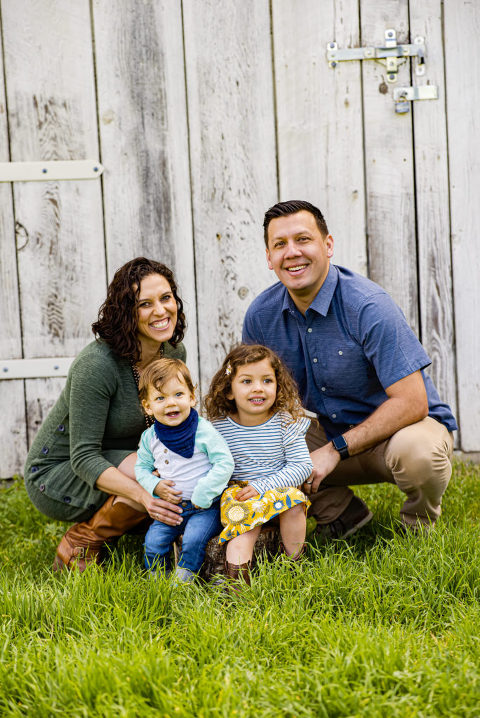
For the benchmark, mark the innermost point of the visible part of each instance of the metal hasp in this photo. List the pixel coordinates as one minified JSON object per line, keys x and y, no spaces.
{"x":390,"y":54}
{"x":49,"y":170}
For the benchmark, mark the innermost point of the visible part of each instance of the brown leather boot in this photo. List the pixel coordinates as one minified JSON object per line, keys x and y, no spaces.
{"x":293,"y":556}
{"x":83,"y":543}
{"x":237,"y":573}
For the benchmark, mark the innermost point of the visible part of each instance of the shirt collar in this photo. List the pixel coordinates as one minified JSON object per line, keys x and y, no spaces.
{"x":322,"y":300}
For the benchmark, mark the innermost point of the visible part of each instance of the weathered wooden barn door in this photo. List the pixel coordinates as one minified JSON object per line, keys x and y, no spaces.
{"x":381,"y":176}
{"x":58,"y":276}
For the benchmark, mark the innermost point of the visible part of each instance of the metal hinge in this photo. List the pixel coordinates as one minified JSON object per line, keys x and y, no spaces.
{"x":390,"y":54}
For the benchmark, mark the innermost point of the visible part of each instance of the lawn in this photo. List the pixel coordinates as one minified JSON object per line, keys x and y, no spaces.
{"x":381,"y":625}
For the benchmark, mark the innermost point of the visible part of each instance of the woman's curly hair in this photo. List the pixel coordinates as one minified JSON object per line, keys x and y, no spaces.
{"x":217,"y":406}
{"x":117,"y":322}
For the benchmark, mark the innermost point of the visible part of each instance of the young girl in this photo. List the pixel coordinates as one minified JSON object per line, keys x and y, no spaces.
{"x":253,"y":402}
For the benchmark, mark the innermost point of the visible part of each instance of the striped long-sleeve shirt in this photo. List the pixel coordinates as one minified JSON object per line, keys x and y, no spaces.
{"x":271,"y":455}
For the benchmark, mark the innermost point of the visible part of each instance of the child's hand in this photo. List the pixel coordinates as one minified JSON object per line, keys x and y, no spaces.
{"x":248,"y":492}
{"x":165,"y":491}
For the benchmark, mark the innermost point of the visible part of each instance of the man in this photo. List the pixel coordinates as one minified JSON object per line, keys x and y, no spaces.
{"x":359,"y":368}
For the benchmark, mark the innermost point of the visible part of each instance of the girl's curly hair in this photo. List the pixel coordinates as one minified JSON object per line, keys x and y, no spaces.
{"x":217,"y":406}
{"x":117,"y":322}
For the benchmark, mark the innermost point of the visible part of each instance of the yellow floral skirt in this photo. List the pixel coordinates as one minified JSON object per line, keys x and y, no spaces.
{"x":238,"y":517}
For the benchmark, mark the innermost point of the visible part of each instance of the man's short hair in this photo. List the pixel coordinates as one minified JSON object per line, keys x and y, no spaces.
{"x":282,"y":209}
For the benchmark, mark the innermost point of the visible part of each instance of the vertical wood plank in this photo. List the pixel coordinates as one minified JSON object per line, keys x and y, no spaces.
{"x":462,"y":28}
{"x":232,"y":139}
{"x":319,"y":110}
{"x":144,"y":141}
{"x":432,"y":198}
{"x":51,"y":105}
{"x":389,"y":163}
{"x":13,"y":437}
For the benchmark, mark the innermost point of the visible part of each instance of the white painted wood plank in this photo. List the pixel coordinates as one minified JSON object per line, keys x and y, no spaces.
{"x":48,"y":171}
{"x":432,"y":196}
{"x":462,"y":28}
{"x":13,"y":436}
{"x":34,"y":368}
{"x":144,"y":141}
{"x":232,"y":139}
{"x":389,"y":164}
{"x":52,"y":116}
{"x":319,"y":111}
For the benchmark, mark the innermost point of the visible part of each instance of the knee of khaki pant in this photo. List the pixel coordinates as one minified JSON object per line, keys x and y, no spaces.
{"x":420,"y":454}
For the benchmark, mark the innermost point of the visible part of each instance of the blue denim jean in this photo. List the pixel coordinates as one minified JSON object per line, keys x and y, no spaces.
{"x":198,"y":527}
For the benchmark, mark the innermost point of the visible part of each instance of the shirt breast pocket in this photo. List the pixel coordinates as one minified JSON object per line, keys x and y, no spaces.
{"x":346,"y":370}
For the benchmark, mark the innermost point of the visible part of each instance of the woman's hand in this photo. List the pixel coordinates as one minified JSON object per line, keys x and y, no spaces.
{"x":248,"y":492}
{"x":164,"y":489}
{"x":164,"y":511}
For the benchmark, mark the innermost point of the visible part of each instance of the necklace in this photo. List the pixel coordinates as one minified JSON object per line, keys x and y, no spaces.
{"x":149,"y":420}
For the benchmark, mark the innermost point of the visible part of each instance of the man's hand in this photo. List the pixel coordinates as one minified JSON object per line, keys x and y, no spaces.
{"x":165,"y":491}
{"x":324,"y":461}
{"x":248,"y":492}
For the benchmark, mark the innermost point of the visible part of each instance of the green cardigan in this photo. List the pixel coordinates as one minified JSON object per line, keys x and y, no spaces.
{"x":96,"y":422}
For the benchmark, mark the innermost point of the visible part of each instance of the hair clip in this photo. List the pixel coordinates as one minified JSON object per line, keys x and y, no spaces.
{"x":228,"y":369}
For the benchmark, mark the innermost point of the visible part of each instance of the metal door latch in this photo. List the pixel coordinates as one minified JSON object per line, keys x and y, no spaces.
{"x":404,"y":95}
{"x":390,"y":54}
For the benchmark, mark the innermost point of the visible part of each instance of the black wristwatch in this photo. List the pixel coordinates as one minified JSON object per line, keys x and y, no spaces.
{"x":340,"y":444}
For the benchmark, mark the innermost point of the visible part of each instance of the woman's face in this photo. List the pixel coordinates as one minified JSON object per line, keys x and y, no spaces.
{"x":157,"y":311}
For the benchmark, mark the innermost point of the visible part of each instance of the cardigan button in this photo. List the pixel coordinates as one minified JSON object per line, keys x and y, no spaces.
{"x":41,"y":488}
{"x":34,"y":469}
{"x":67,"y":499}
{"x":45,"y":450}
{"x":61,"y":427}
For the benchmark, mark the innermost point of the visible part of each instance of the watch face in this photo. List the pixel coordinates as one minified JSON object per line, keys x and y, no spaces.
{"x":339,"y":443}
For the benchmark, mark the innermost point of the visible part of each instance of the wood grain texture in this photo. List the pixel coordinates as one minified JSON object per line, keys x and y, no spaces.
{"x":13,"y":436}
{"x":144,"y":140}
{"x":462,"y":28}
{"x":389,"y":163}
{"x":432,"y":197}
{"x":52,"y":115}
{"x":319,"y":111}
{"x":232,"y":140}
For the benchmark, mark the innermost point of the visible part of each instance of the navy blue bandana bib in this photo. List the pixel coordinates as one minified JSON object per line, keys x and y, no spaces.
{"x":179,"y":439}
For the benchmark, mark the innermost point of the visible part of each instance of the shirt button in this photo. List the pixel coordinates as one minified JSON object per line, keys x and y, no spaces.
{"x":165,"y":451}
{"x":45,"y":450}
{"x":334,"y":416}
{"x":166,"y":461}
{"x":340,"y":352}
{"x":315,"y":360}
{"x":309,"y":330}
{"x":323,"y":388}
{"x":41,"y":488}
{"x":67,"y":499}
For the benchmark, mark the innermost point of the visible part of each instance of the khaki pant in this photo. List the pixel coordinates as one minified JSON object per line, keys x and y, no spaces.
{"x":416,"y":459}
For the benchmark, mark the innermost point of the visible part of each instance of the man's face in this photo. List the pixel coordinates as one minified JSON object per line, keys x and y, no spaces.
{"x":299,"y":255}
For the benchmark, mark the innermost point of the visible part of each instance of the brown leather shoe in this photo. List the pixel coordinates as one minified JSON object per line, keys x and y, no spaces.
{"x":356,"y":515}
{"x":85,"y":542}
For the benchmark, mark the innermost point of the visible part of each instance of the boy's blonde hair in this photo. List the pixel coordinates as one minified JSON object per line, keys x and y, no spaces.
{"x":159,"y":372}
{"x":218,"y":406}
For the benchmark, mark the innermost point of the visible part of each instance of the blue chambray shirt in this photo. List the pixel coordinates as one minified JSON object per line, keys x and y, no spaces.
{"x":352,"y":344}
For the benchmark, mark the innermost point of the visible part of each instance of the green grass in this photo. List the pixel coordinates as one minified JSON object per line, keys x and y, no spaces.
{"x":381,"y":625}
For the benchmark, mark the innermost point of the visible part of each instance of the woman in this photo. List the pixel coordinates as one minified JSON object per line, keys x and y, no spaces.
{"x":81,"y":465}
